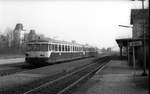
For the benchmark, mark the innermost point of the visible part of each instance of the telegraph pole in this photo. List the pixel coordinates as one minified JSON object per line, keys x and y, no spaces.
{"x":144,"y":44}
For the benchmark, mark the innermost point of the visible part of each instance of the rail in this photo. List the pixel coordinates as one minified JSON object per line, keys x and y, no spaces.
{"x":66,"y":82}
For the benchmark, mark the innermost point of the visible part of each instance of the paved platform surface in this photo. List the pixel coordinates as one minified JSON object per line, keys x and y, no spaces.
{"x":116,"y":78}
{"x":10,"y":61}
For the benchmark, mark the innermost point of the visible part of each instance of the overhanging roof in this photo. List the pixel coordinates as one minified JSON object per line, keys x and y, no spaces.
{"x":124,"y":41}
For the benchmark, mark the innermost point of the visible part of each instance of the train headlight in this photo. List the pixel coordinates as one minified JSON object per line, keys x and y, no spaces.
{"x":27,"y":54}
{"x":41,"y":55}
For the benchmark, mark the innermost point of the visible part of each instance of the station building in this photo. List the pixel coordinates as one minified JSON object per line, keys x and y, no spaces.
{"x":140,"y":39}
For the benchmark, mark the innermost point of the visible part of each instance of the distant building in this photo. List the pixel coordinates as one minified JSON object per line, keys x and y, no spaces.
{"x":108,"y":49}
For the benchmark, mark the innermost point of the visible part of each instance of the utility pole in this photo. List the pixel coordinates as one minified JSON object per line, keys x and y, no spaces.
{"x":144,"y":43}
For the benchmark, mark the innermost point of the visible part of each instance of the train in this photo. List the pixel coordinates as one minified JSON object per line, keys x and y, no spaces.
{"x":52,"y":51}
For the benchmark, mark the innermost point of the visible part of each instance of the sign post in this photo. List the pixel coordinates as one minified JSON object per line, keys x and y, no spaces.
{"x":136,"y":43}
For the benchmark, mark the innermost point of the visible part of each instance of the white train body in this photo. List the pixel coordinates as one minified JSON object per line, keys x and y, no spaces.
{"x":51,"y":52}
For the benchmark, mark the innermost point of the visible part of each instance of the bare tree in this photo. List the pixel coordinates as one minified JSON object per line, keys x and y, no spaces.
{"x":17,"y":35}
{"x":9,"y":35}
{"x":31,"y":35}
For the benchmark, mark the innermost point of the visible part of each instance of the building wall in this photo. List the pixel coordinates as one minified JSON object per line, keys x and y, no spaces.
{"x":140,"y":21}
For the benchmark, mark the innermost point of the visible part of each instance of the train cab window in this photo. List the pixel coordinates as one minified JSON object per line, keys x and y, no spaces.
{"x":33,"y":47}
{"x":44,"y":47}
{"x":50,"y":47}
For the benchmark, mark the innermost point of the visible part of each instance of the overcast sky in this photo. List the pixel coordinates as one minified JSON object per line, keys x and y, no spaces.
{"x":87,"y":21}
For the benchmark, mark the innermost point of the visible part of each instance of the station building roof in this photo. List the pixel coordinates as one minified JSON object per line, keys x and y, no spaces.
{"x":124,"y":41}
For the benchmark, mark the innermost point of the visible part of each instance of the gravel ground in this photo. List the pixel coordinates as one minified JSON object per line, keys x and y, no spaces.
{"x":11,"y":56}
{"x":24,"y":78}
{"x":11,"y":61}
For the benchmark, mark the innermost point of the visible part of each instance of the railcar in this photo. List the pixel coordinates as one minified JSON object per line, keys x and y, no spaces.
{"x":43,"y":51}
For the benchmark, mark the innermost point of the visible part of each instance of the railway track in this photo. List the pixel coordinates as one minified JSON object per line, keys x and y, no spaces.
{"x":7,"y":69}
{"x":65,"y":83}
{"x":26,"y":87}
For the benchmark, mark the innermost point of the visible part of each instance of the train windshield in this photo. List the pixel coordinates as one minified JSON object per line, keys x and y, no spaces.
{"x":37,"y":47}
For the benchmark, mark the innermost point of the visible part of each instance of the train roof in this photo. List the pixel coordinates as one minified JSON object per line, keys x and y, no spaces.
{"x":49,"y":40}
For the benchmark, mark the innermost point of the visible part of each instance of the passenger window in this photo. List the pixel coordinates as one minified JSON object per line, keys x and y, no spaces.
{"x":59,"y":47}
{"x":72,"y":48}
{"x":68,"y":48}
{"x":63,"y":48}
{"x":55,"y":47}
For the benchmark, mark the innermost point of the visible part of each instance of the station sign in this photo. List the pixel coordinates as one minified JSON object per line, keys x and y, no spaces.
{"x":135,"y":43}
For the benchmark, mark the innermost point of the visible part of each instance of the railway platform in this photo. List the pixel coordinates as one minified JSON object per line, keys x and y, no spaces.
{"x":116,"y":78}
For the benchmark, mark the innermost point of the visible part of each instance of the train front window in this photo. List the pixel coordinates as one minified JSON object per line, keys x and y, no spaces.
{"x":44,"y":47}
{"x":33,"y":47}
{"x":37,"y":47}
